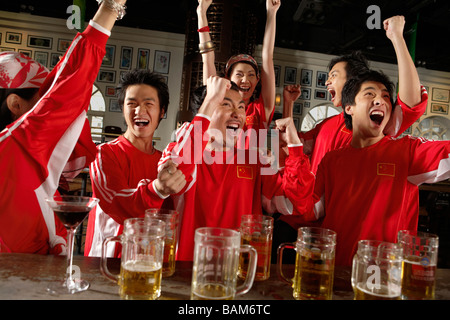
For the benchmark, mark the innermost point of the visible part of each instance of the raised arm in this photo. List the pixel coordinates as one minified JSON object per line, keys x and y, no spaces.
{"x":290,"y":94}
{"x":106,"y":15}
{"x":268,"y":72}
{"x":205,"y":43}
{"x":408,"y":78}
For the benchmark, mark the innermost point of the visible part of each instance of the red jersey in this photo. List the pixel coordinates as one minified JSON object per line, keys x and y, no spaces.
{"x":371,"y":200}
{"x":332,"y":134}
{"x":123,"y":179}
{"x":222,"y":186}
{"x":35,"y":148}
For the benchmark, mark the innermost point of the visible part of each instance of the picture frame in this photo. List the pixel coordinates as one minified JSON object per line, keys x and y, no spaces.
{"x":54,"y":59}
{"x":7,"y":49}
{"x":296,"y":123}
{"x":441,"y":95}
{"x":320,"y":94}
{"x":143,"y":56}
{"x":114,"y":105}
{"x":13,"y":37}
{"x":126,"y":58}
{"x":306,"y":94}
{"x":290,"y":75}
{"x":106,"y":76}
{"x":306,"y":104}
{"x":108,"y":59}
{"x":63,"y":45}
{"x":41,"y":57}
{"x":26,"y":52}
{"x":39,"y":42}
{"x":321,"y":79}
{"x":110,"y":91}
{"x":306,"y":77}
{"x":298,"y":108}
{"x":439,"y":108}
{"x":162,"y":62}
{"x":277,"y":70}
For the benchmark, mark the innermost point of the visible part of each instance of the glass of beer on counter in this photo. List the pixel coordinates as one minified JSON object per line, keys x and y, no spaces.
{"x":141,"y":262}
{"x":257,"y":231}
{"x":376,"y":270}
{"x":170,"y":217}
{"x":216,"y":262}
{"x":420,"y":254}
{"x":314,"y":265}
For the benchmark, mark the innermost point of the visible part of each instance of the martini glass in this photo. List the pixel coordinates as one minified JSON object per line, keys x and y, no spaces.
{"x":71,"y":211}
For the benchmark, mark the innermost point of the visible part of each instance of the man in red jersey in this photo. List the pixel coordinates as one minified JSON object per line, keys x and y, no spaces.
{"x":223,"y":181}
{"x":332,"y":134}
{"x":124,"y":174}
{"x":363,"y":190}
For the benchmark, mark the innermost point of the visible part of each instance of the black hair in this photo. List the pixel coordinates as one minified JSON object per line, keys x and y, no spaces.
{"x":6,"y":117}
{"x":144,"y":76}
{"x":356,"y":63}
{"x":353,"y":86}
{"x":199,"y":94}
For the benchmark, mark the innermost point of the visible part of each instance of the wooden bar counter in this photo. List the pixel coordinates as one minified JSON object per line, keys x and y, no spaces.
{"x":26,"y":276}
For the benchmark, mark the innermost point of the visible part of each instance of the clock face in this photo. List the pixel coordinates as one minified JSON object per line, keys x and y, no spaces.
{"x":433,"y":128}
{"x":317,"y":115}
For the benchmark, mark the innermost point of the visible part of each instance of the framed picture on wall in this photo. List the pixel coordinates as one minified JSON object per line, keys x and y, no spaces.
{"x":297,"y":110}
{"x":13,"y":37}
{"x":277,"y":70}
{"x":306,"y":77}
{"x":39,"y":42}
{"x":110,"y":91}
{"x":106,"y":76}
{"x":63,"y":45}
{"x":321,"y":79}
{"x":306,"y":94}
{"x":142,"y":58}
{"x":162,"y":62}
{"x":54,"y":59}
{"x":114,"y":105}
{"x":320,"y":94}
{"x":126,"y":58}
{"x":290,"y":75}
{"x":439,"y":108}
{"x":41,"y":57}
{"x":441,"y":95}
{"x":108,"y":59}
{"x":7,"y":49}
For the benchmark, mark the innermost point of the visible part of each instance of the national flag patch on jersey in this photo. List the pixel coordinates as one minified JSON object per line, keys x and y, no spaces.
{"x":245,"y":172}
{"x":251,"y":120}
{"x":386,"y":169}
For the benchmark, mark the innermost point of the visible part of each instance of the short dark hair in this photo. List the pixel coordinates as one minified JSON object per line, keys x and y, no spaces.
{"x":356,"y":63}
{"x":144,"y":76}
{"x":6,"y":116}
{"x":353,"y":86}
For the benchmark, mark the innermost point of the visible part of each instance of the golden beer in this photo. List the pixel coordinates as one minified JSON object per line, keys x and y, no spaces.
{"x":212,"y":291}
{"x":169,"y":258}
{"x":364,"y":293}
{"x":263,"y":245}
{"x":140,"y":280}
{"x":418,"y":280}
{"x":313,"y":278}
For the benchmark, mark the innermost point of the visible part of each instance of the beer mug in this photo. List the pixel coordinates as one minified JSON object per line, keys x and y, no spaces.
{"x":142,"y":243}
{"x":215,"y":264}
{"x":420,"y":254}
{"x":314,"y":264}
{"x":257,"y":231}
{"x":376,"y":270}
{"x":170,"y":217}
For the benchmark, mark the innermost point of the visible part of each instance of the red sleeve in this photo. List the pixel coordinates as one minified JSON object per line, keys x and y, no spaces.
{"x":295,"y":184}
{"x":117,"y":198}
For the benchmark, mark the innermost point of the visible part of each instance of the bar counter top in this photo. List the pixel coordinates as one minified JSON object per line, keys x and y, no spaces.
{"x":26,"y":276}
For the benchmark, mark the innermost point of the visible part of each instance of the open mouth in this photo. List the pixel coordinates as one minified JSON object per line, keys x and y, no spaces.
{"x":141,"y":123}
{"x":332,"y":92}
{"x":377,"y":116}
{"x":233,"y":128}
{"x":244,"y":89}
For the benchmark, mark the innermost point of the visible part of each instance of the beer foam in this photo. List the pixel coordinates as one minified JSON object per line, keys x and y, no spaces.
{"x":142,"y":266}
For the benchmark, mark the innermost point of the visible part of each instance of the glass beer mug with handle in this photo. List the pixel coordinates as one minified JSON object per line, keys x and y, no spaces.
{"x":141,"y":262}
{"x":216,"y":262}
{"x":420,"y":254}
{"x":314,"y":264}
{"x":376,"y":270}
